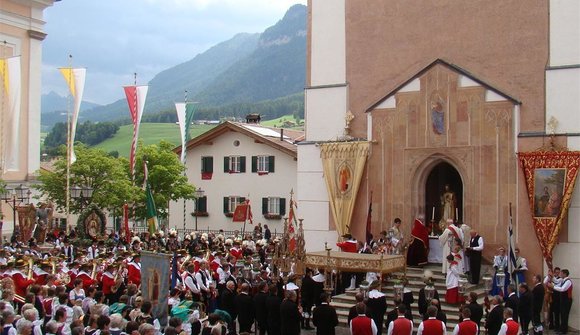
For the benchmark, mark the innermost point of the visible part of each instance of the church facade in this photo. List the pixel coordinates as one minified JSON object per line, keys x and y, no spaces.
{"x":446,"y":94}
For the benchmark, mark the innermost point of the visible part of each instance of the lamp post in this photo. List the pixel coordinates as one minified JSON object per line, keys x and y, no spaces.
{"x":15,"y":197}
{"x":82,"y":195}
{"x":198,"y":194}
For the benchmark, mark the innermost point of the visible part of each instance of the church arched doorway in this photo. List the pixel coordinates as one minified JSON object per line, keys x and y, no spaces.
{"x":443,"y":194}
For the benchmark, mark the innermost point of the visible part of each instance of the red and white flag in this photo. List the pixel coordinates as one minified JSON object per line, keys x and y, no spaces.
{"x":136,"y":96}
{"x":243,"y":213}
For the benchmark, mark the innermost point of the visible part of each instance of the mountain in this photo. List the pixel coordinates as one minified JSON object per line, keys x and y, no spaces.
{"x":275,"y":69}
{"x":248,"y":68}
{"x":53,"y":102}
{"x":54,"y":106}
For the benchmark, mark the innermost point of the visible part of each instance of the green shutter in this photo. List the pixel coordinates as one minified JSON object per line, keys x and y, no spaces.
{"x":282,"y":206}
{"x":243,"y":164}
{"x":254,"y":164}
{"x":227,"y":164}
{"x":202,"y":164}
{"x":264,"y":206}
{"x":270,"y":164}
{"x":226,"y":204}
{"x":209,"y":164}
{"x":201,"y":204}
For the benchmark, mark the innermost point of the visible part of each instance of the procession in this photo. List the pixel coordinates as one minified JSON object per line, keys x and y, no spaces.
{"x":253,"y":283}
{"x":289,"y":167}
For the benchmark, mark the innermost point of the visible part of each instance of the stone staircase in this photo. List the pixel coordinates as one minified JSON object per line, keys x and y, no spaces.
{"x":343,"y":302}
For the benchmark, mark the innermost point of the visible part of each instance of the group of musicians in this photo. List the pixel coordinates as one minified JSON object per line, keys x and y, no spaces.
{"x":205,"y":263}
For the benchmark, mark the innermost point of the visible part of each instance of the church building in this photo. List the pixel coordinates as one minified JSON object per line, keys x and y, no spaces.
{"x":412,"y":103}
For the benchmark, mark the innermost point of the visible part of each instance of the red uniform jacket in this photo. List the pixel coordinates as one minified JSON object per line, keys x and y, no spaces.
{"x":134,"y":273}
{"x":361,"y":325}
{"x":21,"y":283}
{"x":87,"y":280}
{"x":108,"y":282}
{"x":467,"y":327}
{"x":347,"y":246}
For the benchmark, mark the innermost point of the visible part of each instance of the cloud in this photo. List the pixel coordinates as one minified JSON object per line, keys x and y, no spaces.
{"x":113,"y":39}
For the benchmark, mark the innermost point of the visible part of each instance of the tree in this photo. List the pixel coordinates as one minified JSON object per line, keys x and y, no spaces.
{"x":107,"y":176}
{"x":166,"y":177}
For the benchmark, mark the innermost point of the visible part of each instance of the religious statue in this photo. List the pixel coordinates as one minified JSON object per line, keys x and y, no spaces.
{"x":448,"y":207}
{"x":43,"y":221}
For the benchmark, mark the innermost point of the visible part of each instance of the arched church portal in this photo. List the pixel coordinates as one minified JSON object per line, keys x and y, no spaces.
{"x":442,"y":175}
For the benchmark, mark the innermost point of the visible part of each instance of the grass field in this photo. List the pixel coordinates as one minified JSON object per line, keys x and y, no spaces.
{"x":152,"y":133}
{"x":149,"y":133}
{"x":279,"y":121}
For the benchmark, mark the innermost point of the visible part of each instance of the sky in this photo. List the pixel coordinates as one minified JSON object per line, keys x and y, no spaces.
{"x":113,"y":39}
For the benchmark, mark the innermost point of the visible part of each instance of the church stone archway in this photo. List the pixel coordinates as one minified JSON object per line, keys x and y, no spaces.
{"x":441,"y":175}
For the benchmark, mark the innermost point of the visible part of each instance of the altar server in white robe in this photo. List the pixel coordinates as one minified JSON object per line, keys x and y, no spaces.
{"x":447,"y":241}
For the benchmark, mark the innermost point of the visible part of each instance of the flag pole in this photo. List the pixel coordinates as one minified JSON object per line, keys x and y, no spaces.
{"x":185,"y":174}
{"x":68,"y":153}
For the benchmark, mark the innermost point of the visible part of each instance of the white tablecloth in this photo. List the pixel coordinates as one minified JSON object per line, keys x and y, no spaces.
{"x":435,"y":250}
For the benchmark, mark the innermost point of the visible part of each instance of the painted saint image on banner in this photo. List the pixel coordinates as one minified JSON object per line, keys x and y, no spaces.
{"x":548,"y":191}
{"x":438,"y":115}
{"x":344,"y":177}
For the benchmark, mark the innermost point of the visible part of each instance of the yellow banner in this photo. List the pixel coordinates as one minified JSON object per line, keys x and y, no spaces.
{"x":343,"y":165}
{"x":69,"y":77}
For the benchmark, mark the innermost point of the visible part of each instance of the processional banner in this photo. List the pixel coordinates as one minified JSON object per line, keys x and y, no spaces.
{"x":343,"y":165}
{"x":155,"y":274}
{"x":550,"y":178}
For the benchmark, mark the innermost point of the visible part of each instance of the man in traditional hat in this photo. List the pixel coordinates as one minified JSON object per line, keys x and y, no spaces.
{"x":108,"y":280}
{"x":85,"y":276}
{"x":134,"y":270}
{"x":21,"y":281}
{"x":42,"y":272}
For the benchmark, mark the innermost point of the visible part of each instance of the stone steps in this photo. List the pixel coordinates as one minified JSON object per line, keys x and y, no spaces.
{"x":345,"y":301}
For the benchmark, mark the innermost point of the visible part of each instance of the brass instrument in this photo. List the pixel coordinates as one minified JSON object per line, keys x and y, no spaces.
{"x":185,"y":261}
{"x":30,"y":261}
{"x":53,"y":265}
{"x":118,"y":282}
{"x":63,"y":278}
{"x":96,"y":263}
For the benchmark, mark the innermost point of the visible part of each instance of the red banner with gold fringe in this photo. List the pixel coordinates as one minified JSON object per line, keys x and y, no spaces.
{"x":550,"y":178}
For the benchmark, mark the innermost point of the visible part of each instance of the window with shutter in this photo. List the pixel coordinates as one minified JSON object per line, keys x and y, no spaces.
{"x":272,"y":208}
{"x":206,"y":167}
{"x":230,"y":204}
{"x":271,"y":164}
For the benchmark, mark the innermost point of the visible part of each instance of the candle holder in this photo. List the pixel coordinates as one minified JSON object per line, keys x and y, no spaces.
{"x":500,"y":279}
{"x":487,"y":282}
{"x":463,"y":284}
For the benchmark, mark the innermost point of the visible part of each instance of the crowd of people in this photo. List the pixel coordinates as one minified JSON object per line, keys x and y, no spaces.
{"x":229,"y":285}
{"x":462,"y":248}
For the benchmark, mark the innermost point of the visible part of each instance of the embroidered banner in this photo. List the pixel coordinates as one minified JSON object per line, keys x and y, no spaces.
{"x":343,"y":165}
{"x":550,"y":178}
{"x":155,"y":274}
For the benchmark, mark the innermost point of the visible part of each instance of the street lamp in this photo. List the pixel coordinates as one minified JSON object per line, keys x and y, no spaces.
{"x":82,"y":194}
{"x":198,"y":194}
{"x":15,"y":197}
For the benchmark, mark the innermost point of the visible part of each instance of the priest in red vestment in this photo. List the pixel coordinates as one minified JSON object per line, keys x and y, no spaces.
{"x":419,"y":248}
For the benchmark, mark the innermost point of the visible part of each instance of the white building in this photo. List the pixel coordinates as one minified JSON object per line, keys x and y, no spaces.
{"x":234,"y":162}
{"x":21,"y":34}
